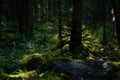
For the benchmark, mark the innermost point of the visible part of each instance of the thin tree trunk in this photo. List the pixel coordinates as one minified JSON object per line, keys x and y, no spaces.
{"x":50,"y":10}
{"x":116,"y":8}
{"x":103,"y":20}
{"x":41,"y":9}
{"x":60,"y":21}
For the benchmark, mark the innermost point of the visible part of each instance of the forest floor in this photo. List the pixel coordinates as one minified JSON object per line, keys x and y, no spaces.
{"x":16,"y":54}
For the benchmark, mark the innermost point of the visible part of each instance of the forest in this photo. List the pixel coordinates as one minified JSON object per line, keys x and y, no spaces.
{"x":59,"y":39}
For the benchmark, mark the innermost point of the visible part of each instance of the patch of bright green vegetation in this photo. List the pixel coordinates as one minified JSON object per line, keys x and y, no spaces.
{"x":46,"y":58}
{"x":36,"y":75}
{"x":20,"y":75}
{"x":26,"y":58}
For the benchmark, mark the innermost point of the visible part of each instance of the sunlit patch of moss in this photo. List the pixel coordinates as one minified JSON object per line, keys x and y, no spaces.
{"x":22,"y":75}
{"x":33,"y":61}
{"x":28,"y":57}
{"x":36,"y":61}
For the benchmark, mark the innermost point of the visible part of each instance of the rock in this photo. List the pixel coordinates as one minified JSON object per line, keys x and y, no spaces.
{"x":109,"y":66}
{"x":85,"y":70}
{"x":110,"y":69}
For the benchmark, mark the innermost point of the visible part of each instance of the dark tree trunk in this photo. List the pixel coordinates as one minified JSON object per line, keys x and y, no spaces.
{"x":29,"y":19}
{"x":96,"y":17}
{"x":103,"y":20}
{"x":25,"y":18}
{"x":12,"y":10}
{"x":0,"y":11}
{"x":76,"y":33}
{"x":21,"y":17}
{"x":12,"y":13}
{"x":41,"y":13}
{"x":116,"y":8}
{"x":60,"y":21}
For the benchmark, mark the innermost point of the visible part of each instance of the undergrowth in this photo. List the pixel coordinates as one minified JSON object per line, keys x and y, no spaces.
{"x":17,"y":56}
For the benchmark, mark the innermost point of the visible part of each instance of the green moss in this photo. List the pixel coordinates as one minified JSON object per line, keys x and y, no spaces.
{"x":37,"y":60}
{"x":19,"y":75}
{"x":33,"y":61}
{"x":28,"y":57}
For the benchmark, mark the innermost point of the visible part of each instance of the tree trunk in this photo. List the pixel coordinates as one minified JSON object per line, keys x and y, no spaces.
{"x":12,"y":13}
{"x":41,"y":13}
{"x":21,"y":17}
{"x":116,"y":8}
{"x":50,"y":15}
{"x":0,"y":12}
{"x":76,"y":33}
{"x":25,"y":18}
{"x":29,"y":19}
{"x":103,"y":20}
{"x":60,"y":21}
{"x":12,"y":10}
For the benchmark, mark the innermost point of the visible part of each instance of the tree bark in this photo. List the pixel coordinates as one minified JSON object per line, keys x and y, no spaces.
{"x":21,"y":17}
{"x":29,"y":19}
{"x":103,"y":20}
{"x":60,"y":21}
{"x":76,"y":33}
{"x":12,"y":9}
{"x":25,"y":18}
